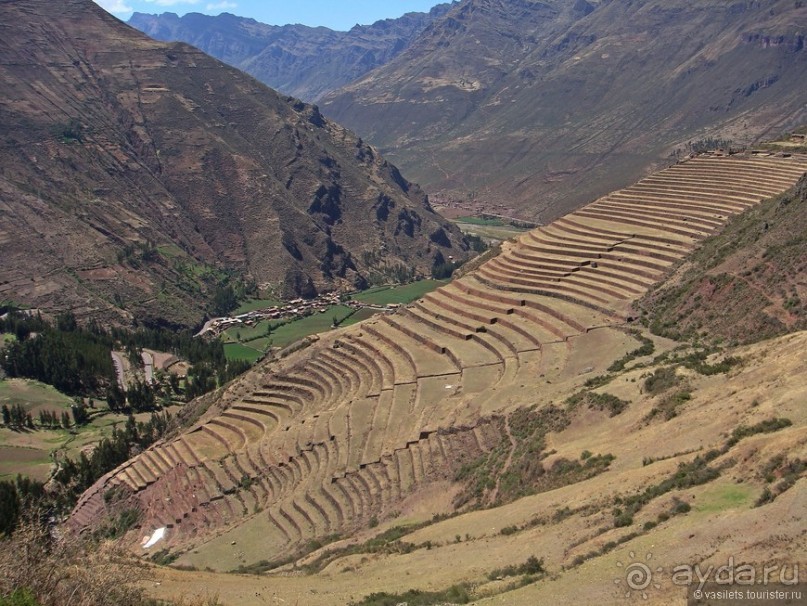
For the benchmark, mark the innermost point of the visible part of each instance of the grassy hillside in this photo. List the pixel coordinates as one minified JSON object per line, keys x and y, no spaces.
{"x":743,"y":285}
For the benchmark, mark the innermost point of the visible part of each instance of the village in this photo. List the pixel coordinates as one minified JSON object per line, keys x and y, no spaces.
{"x":294,"y":309}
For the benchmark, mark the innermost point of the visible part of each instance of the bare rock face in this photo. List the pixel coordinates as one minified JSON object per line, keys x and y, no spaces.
{"x":536,"y":107}
{"x":305,"y":62}
{"x":135,"y":175}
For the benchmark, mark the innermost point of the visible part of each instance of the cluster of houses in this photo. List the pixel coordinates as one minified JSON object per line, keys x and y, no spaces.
{"x":291,"y":310}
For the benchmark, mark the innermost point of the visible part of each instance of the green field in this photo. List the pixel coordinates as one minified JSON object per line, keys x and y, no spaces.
{"x":254,"y":304}
{"x":319,"y":322}
{"x":361,"y":314}
{"x":28,"y":452}
{"x":721,"y":496}
{"x":237,"y":351}
{"x":493,"y":222}
{"x":246,"y":334}
{"x":249,"y":343}
{"x":384,"y":295}
{"x":33,"y":395}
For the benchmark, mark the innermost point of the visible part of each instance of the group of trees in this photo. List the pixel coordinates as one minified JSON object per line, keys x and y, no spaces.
{"x":53,"y":420}
{"x":15,"y":496}
{"x":74,"y":360}
{"x":77,"y":360}
{"x":16,"y":417}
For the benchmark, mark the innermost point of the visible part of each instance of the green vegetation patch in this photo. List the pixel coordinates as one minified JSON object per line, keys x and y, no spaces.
{"x":237,"y":351}
{"x":245,"y":334}
{"x":457,"y":594}
{"x":767,"y":426}
{"x":360,"y":315}
{"x":668,"y":405}
{"x":661,"y":380}
{"x":407,"y":293}
{"x":20,"y":597}
{"x":697,"y":361}
{"x":253,"y":304}
{"x":598,"y":401}
{"x":32,"y":395}
{"x":310,"y":325}
{"x":724,"y":496}
{"x":532,"y":566}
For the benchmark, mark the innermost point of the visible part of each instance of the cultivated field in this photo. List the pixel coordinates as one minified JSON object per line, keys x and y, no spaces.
{"x":31,"y":452}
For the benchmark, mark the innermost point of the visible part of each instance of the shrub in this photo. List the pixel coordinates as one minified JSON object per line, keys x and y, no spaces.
{"x":20,"y":597}
{"x":697,"y":362}
{"x":680,"y":507}
{"x":647,"y":348}
{"x":767,"y":426}
{"x":531,"y":567}
{"x":36,"y":569}
{"x":456,"y":594}
{"x":661,"y":380}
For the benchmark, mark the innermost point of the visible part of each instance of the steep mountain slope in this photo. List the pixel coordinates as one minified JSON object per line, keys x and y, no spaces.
{"x":136,"y":175}
{"x":744,"y":285}
{"x":540,"y":106}
{"x":304,"y":62}
{"x":498,"y":386}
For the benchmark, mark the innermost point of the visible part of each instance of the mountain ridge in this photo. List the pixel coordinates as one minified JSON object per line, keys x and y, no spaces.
{"x":137,"y":176}
{"x":301,"y":61}
{"x":542,"y":106}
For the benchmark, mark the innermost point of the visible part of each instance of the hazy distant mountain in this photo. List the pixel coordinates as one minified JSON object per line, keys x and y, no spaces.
{"x":305,"y":62}
{"x":540,"y":106}
{"x":134,"y":175}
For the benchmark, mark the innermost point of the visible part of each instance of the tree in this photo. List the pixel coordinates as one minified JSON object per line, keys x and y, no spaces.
{"x":80,"y":415}
{"x":6,"y":415}
{"x":115,"y":397}
{"x":66,"y":322}
{"x":140,"y":397}
{"x":224,"y":300}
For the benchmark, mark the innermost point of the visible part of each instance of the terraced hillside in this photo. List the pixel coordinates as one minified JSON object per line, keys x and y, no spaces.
{"x":349,"y":430}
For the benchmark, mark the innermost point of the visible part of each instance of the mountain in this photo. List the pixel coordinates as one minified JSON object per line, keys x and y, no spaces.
{"x":516,"y":422}
{"x":537,"y":106}
{"x":136,"y":176}
{"x":304,"y":62}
